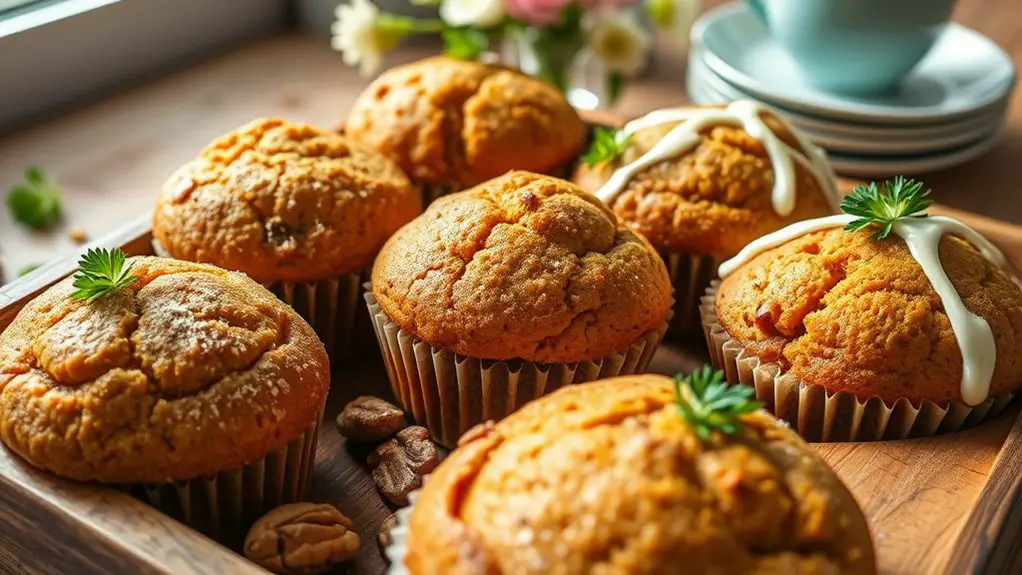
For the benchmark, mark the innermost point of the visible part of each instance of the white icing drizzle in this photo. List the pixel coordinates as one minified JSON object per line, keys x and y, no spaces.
{"x":922,"y":236}
{"x":742,"y":113}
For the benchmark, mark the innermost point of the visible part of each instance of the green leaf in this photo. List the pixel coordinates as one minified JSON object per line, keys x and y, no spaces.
{"x":465,"y":43}
{"x":36,"y":203}
{"x":607,"y":146}
{"x":710,"y":405}
{"x":101,"y":272}
{"x":661,"y":12}
{"x":615,"y":83}
{"x":882,"y":205}
{"x":28,"y":269}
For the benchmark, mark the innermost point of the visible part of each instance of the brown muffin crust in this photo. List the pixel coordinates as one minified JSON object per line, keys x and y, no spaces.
{"x":189,"y":371}
{"x":606,"y":478}
{"x":523,"y":266}
{"x":710,"y":201}
{"x":456,"y":123}
{"x":849,"y":313}
{"x":283,"y":202}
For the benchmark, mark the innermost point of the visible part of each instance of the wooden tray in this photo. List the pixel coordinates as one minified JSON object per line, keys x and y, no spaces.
{"x":947,"y":504}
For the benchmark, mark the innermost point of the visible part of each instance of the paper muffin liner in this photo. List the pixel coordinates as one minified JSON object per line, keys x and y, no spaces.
{"x":332,"y":306}
{"x":449,"y":393}
{"x":398,"y":548}
{"x":690,"y":275}
{"x":224,"y":505}
{"x":823,"y":416}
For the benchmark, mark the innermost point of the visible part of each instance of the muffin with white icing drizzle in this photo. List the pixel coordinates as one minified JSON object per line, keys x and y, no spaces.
{"x":701,"y":183}
{"x":874,"y":324}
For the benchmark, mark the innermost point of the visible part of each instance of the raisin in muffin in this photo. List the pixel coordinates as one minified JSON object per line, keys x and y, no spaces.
{"x":181,"y":382}
{"x":845,"y":335}
{"x":509,"y":290}
{"x":296,"y":208}
{"x":451,"y":124}
{"x":710,"y":193}
{"x":608,"y":478}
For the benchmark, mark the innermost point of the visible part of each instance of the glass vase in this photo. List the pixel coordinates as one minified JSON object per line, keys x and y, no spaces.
{"x":560,"y":59}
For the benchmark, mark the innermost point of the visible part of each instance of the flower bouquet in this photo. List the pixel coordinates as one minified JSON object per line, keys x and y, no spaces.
{"x":549,"y":39}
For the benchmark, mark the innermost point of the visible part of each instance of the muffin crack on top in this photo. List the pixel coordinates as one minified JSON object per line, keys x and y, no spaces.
{"x":519,"y":266}
{"x":282,"y":201}
{"x":842,"y":310}
{"x":607,"y":478}
{"x":186,"y":371}
{"x":453,"y":123}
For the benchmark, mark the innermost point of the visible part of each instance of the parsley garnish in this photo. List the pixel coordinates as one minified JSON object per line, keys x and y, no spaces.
{"x":101,"y":272}
{"x":884,"y":204}
{"x":607,"y":146}
{"x":35,"y":203}
{"x":709,"y":404}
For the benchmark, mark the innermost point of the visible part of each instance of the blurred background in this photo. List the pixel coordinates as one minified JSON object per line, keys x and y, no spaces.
{"x":107,"y":97}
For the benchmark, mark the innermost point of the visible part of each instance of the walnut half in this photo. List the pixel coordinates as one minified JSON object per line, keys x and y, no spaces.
{"x":301,"y":538}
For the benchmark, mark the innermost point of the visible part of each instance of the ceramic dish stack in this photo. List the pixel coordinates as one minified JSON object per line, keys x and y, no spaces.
{"x":949,"y":110}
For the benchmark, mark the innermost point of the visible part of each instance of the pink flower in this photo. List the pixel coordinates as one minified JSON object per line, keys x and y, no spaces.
{"x":536,"y":12}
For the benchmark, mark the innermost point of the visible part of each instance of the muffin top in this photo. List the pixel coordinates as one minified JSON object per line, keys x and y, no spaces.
{"x":606,"y":477}
{"x":714,"y":197}
{"x":188,"y":371}
{"x":850,"y":313}
{"x":522,"y":266}
{"x":456,"y":123}
{"x":283,"y":202}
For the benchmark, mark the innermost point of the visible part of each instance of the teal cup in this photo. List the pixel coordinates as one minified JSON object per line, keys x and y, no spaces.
{"x":855,"y":46}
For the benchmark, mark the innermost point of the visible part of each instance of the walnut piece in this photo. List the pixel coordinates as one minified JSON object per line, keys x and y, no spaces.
{"x":400,"y":463}
{"x":301,"y":538}
{"x":370,"y":418}
{"x":384,"y":537}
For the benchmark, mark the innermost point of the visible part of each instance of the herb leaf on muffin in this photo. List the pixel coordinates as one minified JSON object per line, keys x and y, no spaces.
{"x":36,"y":202}
{"x":881,"y":205}
{"x":101,"y":272}
{"x":607,"y":145}
{"x":709,"y":404}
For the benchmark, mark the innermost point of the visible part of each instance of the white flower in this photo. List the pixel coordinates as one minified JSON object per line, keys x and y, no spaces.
{"x":620,"y":43}
{"x":475,"y":13}
{"x":357,"y":37}
{"x":675,"y":17}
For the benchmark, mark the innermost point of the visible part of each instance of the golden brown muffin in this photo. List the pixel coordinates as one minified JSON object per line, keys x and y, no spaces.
{"x":283,"y":202}
{"x":849,"y":313}
{"x":711,"y":200}
{"x":523,"y":266}
{"x":606,"y":478}
{"x":189,"y":371}
{"x":452,"y":123}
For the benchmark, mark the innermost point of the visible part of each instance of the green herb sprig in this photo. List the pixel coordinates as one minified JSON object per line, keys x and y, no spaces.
{"x":36,"y":202}
{"x":881,"y":205}
{"x":709,"y":404}
{"x":101,"y":272}
{"x":607,"y":146}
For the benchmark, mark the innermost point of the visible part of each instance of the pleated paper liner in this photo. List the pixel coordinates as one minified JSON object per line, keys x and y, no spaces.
{"x":690,"y":275}
{"x":332,"y":306}
{"x":449,"y":393}
{"x":225,"y":505}
{"x":398,"y":548}
{"x":820,"y":415}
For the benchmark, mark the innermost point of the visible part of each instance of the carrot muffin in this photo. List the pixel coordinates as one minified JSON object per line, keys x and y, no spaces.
{"x":452,"y":124}
{"x":297,"y":209}
{"x":700,"y":183}
{"x":609,"y":478}
{"x":509,"y":290}
{"x":852,"y":336}
{"x":190,"y":381}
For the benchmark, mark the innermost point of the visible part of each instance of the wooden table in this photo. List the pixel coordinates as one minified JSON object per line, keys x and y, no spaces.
{"x":110,"y":157}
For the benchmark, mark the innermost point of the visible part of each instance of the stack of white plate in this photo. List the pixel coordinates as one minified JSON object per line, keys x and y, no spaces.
{"x":949,"y":110}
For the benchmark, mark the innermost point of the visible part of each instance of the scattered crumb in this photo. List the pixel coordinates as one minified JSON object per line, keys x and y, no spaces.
{"x":77,"y":235}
